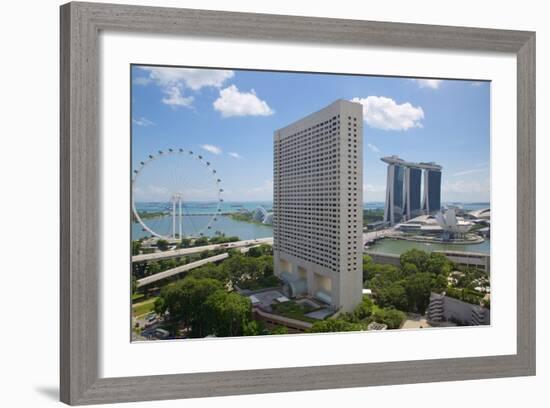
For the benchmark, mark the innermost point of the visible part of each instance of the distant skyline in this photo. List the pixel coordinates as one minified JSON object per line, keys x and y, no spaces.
{"x":229,"y":117}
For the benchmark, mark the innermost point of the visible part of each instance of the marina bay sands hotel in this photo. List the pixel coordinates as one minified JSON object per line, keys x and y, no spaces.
{"x":405,"y":196}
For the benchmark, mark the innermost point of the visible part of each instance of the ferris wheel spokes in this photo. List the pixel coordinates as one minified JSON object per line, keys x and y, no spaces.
{"x":180,"y":158}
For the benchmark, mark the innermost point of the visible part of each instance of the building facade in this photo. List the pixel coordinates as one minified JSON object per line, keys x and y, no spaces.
{"x":432,"y":191}
{"x":395,"y":197}
{"x":413,"y":182}
{"x":317,"y":205}
{"x":444,"y":308}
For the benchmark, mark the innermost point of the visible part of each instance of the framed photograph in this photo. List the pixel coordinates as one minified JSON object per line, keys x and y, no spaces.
{"x":318,"y":203}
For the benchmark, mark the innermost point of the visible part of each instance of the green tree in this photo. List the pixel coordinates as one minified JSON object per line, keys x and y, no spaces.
{"x":152,"y":268}
{"x":334,"y":325}
{"x":134,"y":284}
{"x":393,"y":295}
{"x":382,"y":274}
{"x":416,"y":257}
{"x":162,"y":244}
{"x":254,"y":328}
{"x":226,"y":314}
{"x":202,"y":241}
{"x":241,"y":269}
{"x":363,"y":310}
{"x":166,"y":264}
{"x":185,"y":243}
{"x":185,"y":302}
{"x":211,"y":271}
{"x":279,"y":330}
{"x":418,"y":288}
{"x":438,"y":264}
{"x":439,"y":283}
{"x":409,"y":269}
{"x":257,"y":251}
{"x":136,"y":247}
{"x":391,"y":317}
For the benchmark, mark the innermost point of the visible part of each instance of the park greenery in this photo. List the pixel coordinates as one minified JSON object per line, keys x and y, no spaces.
{"x":202,"y":241}
{"x":141,"y":270}
{"x":364,"y":314}
{"x":163,"y":244}
{"x":372,"y":215}
{"x":207,"y":300}
{"x":245,"y":216}
{"x":147,"y":215}
{"x":407,"y":287}
{"x":204,"y":304}
{"x":294,"y":310}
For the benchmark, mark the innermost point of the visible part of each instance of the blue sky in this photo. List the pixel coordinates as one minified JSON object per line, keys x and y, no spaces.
{"x":229,"y":117}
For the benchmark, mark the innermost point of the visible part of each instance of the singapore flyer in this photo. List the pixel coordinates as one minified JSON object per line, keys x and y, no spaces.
{"x":176,"y":193}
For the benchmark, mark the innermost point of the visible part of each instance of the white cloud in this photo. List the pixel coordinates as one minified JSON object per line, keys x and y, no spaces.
{"x":428,"y":83}
{"x":477,"y":83}
{"x":266,"y":187}
{"x":175,"y":98}
{"x":262,"y":191}
{"x":373,"y":148}
{"x":142,"y":80}
{"x":474,"y":187}
{"x":212,"y":149}
{"x":465,"y":172}
{"x":157,"y":190}
{"x":173,"y":81}
{"x":371,"y":188}
{"x":191,"y":78}
{"x":235,"y":155}
{"x":374,"y":192}
{"x":384,"y":113}
{"x":233,"y":102}
{"x":142,"y":121}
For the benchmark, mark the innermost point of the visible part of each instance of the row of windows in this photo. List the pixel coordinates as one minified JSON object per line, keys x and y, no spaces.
{"x":307,"y":207}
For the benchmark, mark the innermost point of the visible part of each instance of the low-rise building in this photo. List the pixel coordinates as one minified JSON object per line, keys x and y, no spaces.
{"x":443,"y":309}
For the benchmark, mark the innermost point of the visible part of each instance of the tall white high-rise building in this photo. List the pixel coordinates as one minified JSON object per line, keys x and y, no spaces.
{"x":317,"y":205}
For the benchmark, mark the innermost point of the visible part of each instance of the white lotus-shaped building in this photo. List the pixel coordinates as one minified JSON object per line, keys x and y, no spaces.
{"x":449,"y":223}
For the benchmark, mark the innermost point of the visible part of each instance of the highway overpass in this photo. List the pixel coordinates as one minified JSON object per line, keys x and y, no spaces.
{"x":180,"y":269}
{"x":176,"y":253}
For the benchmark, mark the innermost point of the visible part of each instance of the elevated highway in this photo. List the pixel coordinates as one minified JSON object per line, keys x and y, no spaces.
{"x":176,"y":253}
{"x":180,"y":269}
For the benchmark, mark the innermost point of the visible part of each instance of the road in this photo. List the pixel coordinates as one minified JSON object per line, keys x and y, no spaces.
{"x":195,"y":250}
{"x":180,"y":269}
{"x":372,"y":235}
{"x":185,"y":268}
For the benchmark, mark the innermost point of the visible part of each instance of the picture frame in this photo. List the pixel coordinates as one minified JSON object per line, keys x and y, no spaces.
{"x":81,"y":24}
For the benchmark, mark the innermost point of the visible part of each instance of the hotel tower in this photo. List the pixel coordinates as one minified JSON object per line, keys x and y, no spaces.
{"x":317,"y":205}
{"x":405,"y":196}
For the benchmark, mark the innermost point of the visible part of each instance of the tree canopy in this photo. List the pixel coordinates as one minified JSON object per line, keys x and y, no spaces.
{"x":334,"y":325}
{"x":226,"y":314}
{"x":185,"y":302}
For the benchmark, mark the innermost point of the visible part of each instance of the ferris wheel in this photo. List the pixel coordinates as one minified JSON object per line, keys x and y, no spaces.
{"x":186,"y":190}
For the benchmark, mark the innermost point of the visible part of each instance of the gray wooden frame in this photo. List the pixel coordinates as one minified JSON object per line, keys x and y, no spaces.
{"x":80,"y":26}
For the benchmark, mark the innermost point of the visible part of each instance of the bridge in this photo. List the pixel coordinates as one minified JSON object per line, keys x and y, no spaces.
{"x":185,"y":268}
{"x":176,"y":253}
{"x":375,"y":235}
{"x":180,"y":269}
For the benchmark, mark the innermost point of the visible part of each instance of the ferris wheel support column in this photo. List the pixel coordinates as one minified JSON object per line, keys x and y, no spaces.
{"x":174,"y":217}
{"x":180,"y":219}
